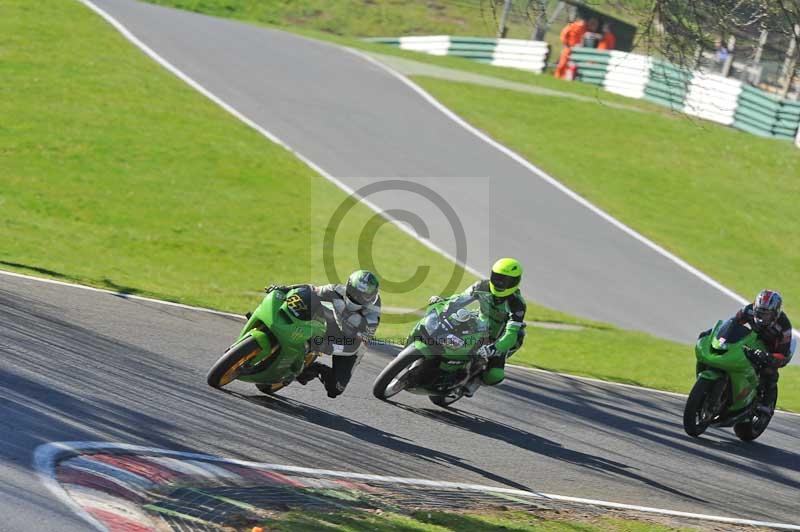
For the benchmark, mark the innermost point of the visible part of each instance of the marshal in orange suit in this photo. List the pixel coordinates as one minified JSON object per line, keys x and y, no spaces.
{"x":572,"y":35}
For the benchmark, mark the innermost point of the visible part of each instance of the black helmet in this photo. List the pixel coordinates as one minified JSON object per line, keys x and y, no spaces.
{"x":766,"y":308}
{"x":362,"y":287}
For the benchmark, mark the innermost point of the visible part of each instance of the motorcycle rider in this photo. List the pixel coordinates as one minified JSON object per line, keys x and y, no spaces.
{"x":503,"y":307}
{"x":351,"y":323}
{"x":766,"y":317}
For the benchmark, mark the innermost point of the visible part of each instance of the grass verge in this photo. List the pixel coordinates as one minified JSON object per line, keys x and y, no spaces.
{"x":116,"y":174}
{"x":354,"y":521}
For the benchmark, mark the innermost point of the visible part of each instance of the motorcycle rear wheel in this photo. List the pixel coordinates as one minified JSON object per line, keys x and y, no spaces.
{"x":270,"y":389}
{"x":755,"y":427}
{"x":695,"y":418}
{"x":390,"y":381}
{"x":227,"y":368}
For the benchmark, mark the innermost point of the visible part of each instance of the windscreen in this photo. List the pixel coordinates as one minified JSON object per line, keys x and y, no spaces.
{"x":732,"y":332}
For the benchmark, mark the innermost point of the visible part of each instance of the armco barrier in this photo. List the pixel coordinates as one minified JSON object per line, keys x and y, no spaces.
{"x":513,"y":53}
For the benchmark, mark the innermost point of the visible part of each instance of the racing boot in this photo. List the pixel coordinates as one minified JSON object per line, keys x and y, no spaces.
{"x":768,"y":393}
{"x":313,"y":371}
{"x":768,"y":399}
{"x":472,"y":386}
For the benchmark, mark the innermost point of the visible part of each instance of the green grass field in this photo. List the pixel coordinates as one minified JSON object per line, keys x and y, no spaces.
{"x":444,"y":522}
{"x":116,"y":174}
{"x":367,"y":18}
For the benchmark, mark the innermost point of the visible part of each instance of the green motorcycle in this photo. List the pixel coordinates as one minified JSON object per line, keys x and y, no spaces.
{"x":441,"y":356}
{"x":272,"y":348}
{"x":727,"y":392}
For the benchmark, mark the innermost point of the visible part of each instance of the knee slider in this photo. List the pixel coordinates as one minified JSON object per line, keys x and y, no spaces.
{"x":493,"y":376}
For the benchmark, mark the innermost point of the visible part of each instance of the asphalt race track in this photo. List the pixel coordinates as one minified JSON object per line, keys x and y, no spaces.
{"x":352,"y":118}
{"x":85,"y":365}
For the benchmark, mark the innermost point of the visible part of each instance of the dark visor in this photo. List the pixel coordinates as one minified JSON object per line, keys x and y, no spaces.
{"x":504,"y":282}
{"x":359,"y":298}
{"x":765,"y":314}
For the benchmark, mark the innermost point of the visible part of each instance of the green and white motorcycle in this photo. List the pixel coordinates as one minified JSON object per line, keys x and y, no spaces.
{"x":727,"y":392}
{"x":441,"y":357}
{"x":273,"y":346}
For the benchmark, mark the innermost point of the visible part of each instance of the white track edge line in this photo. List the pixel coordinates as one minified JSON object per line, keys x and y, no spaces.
{"x":269,"y":135}
{"x":241,"y":318}
{"x":47,"y":455}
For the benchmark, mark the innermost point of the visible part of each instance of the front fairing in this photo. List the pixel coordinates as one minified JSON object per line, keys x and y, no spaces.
{"x":272,"y":321}
{"x":722,"y":351}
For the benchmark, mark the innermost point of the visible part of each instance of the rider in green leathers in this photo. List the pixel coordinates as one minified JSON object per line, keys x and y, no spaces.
{"x":503,"y":306}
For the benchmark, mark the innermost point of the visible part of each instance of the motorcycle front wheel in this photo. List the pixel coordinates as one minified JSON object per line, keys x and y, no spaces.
{"x":229,"y":365}
{"x":395,"y":377}
{"x":697,"y":415}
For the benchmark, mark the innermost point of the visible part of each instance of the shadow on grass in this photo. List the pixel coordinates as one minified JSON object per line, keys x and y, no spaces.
{"x":105,"y":282}
{"x":37,"y":269}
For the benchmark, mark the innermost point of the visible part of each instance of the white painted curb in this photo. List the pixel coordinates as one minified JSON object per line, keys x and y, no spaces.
{"x":46,"y":456}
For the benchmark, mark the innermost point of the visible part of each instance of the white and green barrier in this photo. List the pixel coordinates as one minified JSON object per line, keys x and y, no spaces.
{"x":709,"y":96}
{"x":667,"y":84}
{"x":617,"y":72}
{"x":763,"y":114}
{"x":712,"y":97}
{"x":513,"y":53}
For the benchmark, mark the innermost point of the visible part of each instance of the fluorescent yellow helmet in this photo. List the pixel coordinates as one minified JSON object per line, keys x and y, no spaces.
{"x":505,"y":278}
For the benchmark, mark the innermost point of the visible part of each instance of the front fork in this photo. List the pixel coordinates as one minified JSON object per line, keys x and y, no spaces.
{"x":717,"y":400}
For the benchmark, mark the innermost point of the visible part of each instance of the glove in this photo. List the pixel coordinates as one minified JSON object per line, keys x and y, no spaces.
{"x":272,"y":287}
{"x":487,"y":351}
{"x":435,"y":299}
{"x":758,"y":357}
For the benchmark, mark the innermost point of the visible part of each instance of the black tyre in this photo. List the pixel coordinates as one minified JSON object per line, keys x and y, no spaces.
{"x":447,"y":400}
{"x":755,"y":427}
{"x":270,"y":389}
{"x":394,"y":377}
{"x":696,"y":414}
{"x":229,"y":365}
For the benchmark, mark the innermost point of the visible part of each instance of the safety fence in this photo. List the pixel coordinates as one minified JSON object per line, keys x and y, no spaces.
{"x":513,"y":53}
{"x":710,"y":96}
